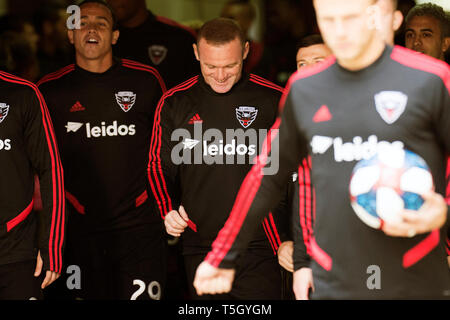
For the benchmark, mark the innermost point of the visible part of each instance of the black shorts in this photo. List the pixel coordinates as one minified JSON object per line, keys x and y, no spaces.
{"x":127,"y":265}
{"x":17,"y":281}
{"x":258,"y":277}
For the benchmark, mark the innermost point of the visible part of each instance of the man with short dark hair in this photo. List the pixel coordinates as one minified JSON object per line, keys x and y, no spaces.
{"x":311,"y":50}
{"x":103,"y":108}
{"x":427,"y":30}
{"x":205,"y":136}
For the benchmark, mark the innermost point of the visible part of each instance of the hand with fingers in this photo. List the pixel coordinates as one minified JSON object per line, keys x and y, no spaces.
{"x":176,"y":221}
{"x":303,"y":283}
{"x":285,"y":255}
{"x":431,"y":216}
{"x":211,"y":280}
{"x":50,"y":276}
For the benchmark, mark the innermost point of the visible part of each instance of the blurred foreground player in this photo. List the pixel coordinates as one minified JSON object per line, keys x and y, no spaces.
{"x":343,"y":247}
{"x":206,"y":133}
{"x":103,"y":109}
{"x":31,"y":245}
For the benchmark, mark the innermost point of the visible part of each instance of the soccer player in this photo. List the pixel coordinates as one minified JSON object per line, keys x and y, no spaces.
{"x":206,"y":133}
{"x":311,"y":50}
{"x":336,"y":101}
{"x":155,"y":41}
{"x":30,"y":245}
{"x":427,"y":30}
{"x":103,"y":108}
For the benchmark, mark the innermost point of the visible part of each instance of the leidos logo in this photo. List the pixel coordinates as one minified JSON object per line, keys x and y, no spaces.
{"x":229,"y":147}
{"x":103,"y":130}
{"x":73,"y":126}
{"x":351,"y":151}
{"x":5,"y":144}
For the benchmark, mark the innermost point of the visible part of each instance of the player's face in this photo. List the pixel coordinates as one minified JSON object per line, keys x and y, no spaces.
{"x":423,"y":34}
{"x":221,"y":65}
{"x":347,"y":27}
{"x":311,"y":55}
{"x":94,"y":40}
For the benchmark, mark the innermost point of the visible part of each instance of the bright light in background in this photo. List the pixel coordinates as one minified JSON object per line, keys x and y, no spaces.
{"x":443,"y":3}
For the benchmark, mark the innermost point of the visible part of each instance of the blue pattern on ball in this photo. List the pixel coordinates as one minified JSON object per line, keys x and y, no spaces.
{"x":413,"y":160}
{"x":369,"y":202}
{"x":412,"y":201}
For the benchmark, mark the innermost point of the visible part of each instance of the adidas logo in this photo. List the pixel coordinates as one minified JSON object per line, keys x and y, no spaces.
{"x":77,"y":107}
{"x":195,"y":119}
{"x":322,"y":115}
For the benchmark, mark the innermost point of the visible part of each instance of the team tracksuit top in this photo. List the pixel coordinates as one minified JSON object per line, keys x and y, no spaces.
{"x":402,"y":98}
{"x":163,"y":44}
{"x":206,"y":190}
{"x":28,"y":147}
{"x":103,"y":122}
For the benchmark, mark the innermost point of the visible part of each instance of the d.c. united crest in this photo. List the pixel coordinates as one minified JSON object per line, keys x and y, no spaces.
{"x":157,"y":53}
{"x":246,"y":115}
{"x":126,"y":100}
{"x":4,"y":108}
{"x":390,"y":105}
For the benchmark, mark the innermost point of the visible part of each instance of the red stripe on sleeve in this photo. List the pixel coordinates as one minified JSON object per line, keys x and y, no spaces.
{"x":20,"y":217}
{"x":155,"y":173}
{"x":58,"y":208}
{"x":424,"y":247}
{"x":422,"y":62}
{"x":447,"y":175}
{"x":139,"y":66}
{"x":250,"y":187}
{"x":301,"y":207}
{"x":57,"y":74}
{"x":275,"y":231}
{"x":265,"y":226}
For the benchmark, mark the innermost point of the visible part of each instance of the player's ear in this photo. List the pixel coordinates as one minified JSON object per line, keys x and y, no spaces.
{"x":195,"y":47}
{"x":70,"y":35}
{"x":246,"y":50}
{"x":115,"y":36}
{"x":398,"y":19}
{"x":445,"y":44}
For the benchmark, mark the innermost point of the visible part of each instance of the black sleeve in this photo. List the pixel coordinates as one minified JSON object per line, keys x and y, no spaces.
{"x":262,"y":188}
{"x":44,"y":156}
{"x":303,"y":213}
{"x":162,"y":172}
{"x":280,"y":218}
{"x":441,"y":119}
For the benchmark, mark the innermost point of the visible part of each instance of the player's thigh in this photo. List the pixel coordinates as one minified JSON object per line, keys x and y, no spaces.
{"x":17,"y":281}
{"x":141,"y":269}
{"x":258,"y":276}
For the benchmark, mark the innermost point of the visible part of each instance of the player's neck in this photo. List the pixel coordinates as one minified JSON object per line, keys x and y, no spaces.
{"x":100,"y":65}
{"x":366,"y":58}
{"x":138,"y":19}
